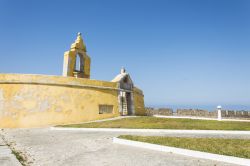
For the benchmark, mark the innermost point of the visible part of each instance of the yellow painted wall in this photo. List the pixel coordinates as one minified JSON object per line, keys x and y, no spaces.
{"x":38,"y":100}
{"x":139,"y":102}
{"x":53,"y":80}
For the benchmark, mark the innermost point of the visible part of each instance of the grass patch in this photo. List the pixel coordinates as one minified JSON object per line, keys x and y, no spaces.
{"x":229,"y":147}
{"x":164,"y":123}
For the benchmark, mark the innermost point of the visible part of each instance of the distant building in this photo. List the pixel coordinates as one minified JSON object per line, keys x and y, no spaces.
{"x":41,"y":100}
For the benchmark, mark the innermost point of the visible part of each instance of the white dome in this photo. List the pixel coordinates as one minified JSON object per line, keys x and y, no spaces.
{"x":219,"y":107}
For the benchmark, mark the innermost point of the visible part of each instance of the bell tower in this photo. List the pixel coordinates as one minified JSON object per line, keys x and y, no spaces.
{"x":76,"y":60}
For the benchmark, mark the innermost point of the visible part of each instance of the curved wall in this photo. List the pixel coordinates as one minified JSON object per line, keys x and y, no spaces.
{"x":40,"y":100}
{"x":139,"y":102}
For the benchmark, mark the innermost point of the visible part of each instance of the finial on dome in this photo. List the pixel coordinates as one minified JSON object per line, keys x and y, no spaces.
{"x":79,"y":44}
{"x":123,"y":70}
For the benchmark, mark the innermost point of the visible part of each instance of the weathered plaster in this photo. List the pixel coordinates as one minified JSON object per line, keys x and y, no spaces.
{"x":1,"y":101}
{"x":31,"y":101}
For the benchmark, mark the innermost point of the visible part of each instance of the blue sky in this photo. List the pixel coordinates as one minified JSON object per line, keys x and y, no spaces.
{"x":180,"y":52}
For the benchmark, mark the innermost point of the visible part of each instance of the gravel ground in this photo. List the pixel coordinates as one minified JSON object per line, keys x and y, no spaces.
{"x":53,"y":148}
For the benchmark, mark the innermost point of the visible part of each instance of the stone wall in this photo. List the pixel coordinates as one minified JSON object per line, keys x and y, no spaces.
{"x":195,"y":112}
{"x":205,"y":113}
{"x":160,"y":111}
{"x":235,"y":114}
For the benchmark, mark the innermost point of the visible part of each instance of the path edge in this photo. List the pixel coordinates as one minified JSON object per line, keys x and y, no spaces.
{"x":185,"y":152}
{"x":171,"y":131}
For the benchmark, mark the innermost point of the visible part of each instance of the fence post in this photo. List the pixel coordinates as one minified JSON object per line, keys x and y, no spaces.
{"x":219,"y":112}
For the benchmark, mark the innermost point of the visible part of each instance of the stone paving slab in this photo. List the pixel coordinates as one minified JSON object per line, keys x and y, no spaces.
{"x":9,"y":161}
{"x":6,"y":156}
{"x":1,"y":142}
{"x":4,"y":151}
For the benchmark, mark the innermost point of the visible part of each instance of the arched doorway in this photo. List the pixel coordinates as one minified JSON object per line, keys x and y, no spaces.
{"x":126,"y":100}
{"x":125,"y":97}
{"x":126,"y":103}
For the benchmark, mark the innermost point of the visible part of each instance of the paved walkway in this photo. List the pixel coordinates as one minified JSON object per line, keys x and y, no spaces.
{"x":49,"y":147}
{"x":6,"y":156}
{"x":191,"y":133}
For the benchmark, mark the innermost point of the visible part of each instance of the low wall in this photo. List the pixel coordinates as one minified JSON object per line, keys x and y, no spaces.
{"x":198,"y":113}
{"x":38,"y":100}
{"x":195,"y":112}
{"x":205,"y":113}
{"x":160,"y":111}
{"x":235,"y":114}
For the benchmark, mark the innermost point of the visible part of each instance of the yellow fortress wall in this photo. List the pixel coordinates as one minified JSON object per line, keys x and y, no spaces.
{"x":36,"y":100}
{"x":41,"y":100}
{"x":139,"y":102}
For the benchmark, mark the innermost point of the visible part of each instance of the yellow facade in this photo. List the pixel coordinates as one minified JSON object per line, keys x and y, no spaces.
{"x":49,"y":100}
{"x":42,"y":100}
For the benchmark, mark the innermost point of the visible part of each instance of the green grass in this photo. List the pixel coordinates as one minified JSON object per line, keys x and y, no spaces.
{"x":229,"y":147}
{"x":164,"y":123}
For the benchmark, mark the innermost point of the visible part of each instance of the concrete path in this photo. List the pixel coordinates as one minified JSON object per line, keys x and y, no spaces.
{"x":48,"y":147}
{"x":6,"y":156}
{"x":207,"y":133}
